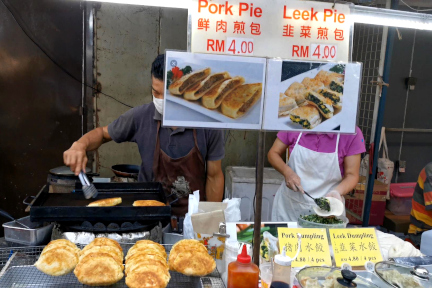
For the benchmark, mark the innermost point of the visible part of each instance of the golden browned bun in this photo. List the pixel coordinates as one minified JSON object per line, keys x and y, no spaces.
{"x":147,"y":244}
{"x":188,"y":80}
{"x":57,"y":262}
{"x":241,"y":99}
{"x":102,"y":241}
{"x":148,"y":276}
{"x":145,"y":250}
{"x":148,"y":203}
{"x":190,"y":257}
{"x":138,"y":262}
{"x":73,"y":249}
{"x":98,"y":269}
{"x":106,"y":202}
{"x":186,"y":245}
{"x":113,"y":251}
{"x":152,"y":255}
{"x":193,"y":264}
{"x":62,"y":242}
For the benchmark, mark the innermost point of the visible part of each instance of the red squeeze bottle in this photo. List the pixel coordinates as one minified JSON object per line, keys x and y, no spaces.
{"x":242,"y":273}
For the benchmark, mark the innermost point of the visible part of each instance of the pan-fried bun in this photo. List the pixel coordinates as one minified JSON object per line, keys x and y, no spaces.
{"x":150,"y":277}
{"x":106,"y":202}
{"x":58,"y":245}
{"x":114,"y":252}
{"x":102,"y":241}
{"x":145,"y":243}
{"x":145,"y":250}
{"x":98,"y":269}
{"x":62,"y":242}
{"x":57,"y":262}
{"x":194,"y":264}
{"x":147,"y":203}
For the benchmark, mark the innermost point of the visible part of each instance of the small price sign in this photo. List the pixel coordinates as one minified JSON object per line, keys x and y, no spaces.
{"x":314,"y":249}
{"x":355,"y":246}
{"x":323,"y":52}
{"x":239,"y":46}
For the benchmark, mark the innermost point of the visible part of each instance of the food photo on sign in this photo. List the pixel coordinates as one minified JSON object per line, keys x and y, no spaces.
{"x":312,"y":96}
{"x":213,"y":91}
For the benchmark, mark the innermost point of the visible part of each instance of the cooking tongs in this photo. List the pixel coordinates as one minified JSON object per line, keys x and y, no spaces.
{"x":89,"y":189}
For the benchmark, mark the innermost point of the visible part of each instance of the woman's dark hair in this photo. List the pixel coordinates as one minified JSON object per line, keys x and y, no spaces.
{"x":157,"y":69}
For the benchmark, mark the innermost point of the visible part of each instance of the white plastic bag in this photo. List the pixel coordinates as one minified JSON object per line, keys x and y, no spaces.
{"x":385,"y":165}
{"x":364,"y":166}
{"x":188,"y":232}
{"x":232,"y":212}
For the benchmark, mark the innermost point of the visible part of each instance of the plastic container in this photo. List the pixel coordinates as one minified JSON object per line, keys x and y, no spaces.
{"x":426,"y":240}
{"x":349,"y":279}
{"x":401,"y":198}
{"x":308,"y":224}
{"x":243,"y":273}
{"x":266,"y":275}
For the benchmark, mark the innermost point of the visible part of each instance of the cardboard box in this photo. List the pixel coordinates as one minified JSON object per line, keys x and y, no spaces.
{"x":354,"y":203}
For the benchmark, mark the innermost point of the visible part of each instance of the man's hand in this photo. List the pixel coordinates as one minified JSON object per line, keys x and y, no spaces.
{"x":293,"y":181}
{"x":76,"y":157}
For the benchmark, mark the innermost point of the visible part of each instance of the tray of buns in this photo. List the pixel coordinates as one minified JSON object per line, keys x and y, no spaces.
{"x":31,"y":266}
{"x":114,"y":202}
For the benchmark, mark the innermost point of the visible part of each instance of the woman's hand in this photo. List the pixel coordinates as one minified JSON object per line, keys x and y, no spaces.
{"x":335,"y":194}
{"x":275,"y":157}
{"x":292,"y":180}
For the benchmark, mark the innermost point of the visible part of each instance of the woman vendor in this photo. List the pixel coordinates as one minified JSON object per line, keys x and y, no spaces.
{"x":324,"y":165}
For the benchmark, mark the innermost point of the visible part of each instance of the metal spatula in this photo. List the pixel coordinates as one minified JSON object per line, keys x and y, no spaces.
{"x":88,"y":188}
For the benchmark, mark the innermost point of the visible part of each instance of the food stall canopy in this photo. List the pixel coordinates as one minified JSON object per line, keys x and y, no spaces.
{"x":360,"y":14}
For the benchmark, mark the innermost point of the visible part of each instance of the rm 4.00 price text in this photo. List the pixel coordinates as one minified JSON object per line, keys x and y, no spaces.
{"x":234,"y":46}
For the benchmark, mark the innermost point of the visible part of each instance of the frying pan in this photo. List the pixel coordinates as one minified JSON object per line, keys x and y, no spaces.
{"x":126,"y":170}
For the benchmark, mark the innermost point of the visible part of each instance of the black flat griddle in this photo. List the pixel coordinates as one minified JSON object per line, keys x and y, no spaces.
{"x":62,"y":207}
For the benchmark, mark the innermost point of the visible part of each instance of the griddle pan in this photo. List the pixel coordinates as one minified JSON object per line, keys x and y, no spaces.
{"x":62,"y":207}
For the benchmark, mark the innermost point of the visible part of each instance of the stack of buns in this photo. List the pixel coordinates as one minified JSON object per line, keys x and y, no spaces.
{"x":58,"y":258}
{"x":146,"y":265}
{"x":231,"y":95}
{"x":190,"y":257}
{"x":100,"y":263}
{"x":313,"y":100}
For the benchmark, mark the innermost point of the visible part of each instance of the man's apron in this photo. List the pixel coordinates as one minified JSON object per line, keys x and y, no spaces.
{"x":319,"y":174}
{"x":167,"y":170}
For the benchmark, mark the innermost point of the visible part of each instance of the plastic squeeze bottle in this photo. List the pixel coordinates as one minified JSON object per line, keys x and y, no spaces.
{"x":282,"y":268}
{"x":243,"y":273}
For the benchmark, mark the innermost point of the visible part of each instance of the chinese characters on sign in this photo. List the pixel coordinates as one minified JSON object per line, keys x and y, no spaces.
{"x":277,"y":28}
{"x":355,"y":246}
{"x":314,"y":250}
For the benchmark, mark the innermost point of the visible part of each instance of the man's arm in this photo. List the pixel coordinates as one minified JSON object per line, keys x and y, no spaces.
{"x":215,"y":181}
{"x":76,"y":158}
{"x":351,"y":174}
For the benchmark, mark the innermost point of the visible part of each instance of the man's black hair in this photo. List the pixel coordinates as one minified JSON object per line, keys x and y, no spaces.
{"x":157,"y":69}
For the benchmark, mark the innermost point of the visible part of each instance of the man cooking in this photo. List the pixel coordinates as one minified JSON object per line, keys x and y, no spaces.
{"x":324,"y":165}
{"x":183,"y":160}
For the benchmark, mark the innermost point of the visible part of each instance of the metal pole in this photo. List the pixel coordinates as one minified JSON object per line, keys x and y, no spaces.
{"x":380,"y":119}
{"x":258,"y":196}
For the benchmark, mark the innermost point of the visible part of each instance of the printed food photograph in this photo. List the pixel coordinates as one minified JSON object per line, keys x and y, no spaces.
{"x":213,"y":90}
{"x":311,"y":96}
{"x":313,"y":100}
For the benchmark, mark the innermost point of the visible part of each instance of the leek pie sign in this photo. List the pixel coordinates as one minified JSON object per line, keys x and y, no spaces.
{"x":304,"y":30}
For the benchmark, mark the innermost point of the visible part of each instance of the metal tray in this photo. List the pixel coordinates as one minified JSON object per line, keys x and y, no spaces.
{"x":35,"y":235}
{"x":18,"y":271}
{"x":72,"y":206}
